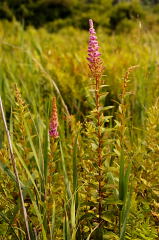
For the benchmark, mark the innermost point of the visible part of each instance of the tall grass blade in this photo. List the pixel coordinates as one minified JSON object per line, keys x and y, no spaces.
{"x":126,"y":181}
{"x":30,"y":177}
{"x":66,"y":228}
{"x":46,"y":140}
{"x":121,"y":178}
{"x":75,"y":172}
{"x":73,"y":219}
{"x":34,"y":150}
{"x":125,"y":215}
{"x":66,"y":180}
{"x":52,"y":227}
{"x":47,"y":75}
{"x":39,"y":215}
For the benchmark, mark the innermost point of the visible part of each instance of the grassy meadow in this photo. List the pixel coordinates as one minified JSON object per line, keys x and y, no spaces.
{"x":60,"y":178}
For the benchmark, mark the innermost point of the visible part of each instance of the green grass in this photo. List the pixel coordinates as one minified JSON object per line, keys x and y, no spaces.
{"x":59,"y":177}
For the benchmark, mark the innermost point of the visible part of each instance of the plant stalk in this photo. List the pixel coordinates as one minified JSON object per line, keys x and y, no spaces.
{"x":99,"y":148}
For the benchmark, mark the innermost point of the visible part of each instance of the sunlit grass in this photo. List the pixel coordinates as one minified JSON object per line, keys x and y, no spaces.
{"x":58,"y":177}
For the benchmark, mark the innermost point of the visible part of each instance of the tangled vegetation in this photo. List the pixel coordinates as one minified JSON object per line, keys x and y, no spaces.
{"x":99,"y":178}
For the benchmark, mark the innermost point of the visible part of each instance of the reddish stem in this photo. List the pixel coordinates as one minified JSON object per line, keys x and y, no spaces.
{"x":99,"y":148}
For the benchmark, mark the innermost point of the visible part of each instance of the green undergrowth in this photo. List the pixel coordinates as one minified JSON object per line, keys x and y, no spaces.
{"x":59,"y":177}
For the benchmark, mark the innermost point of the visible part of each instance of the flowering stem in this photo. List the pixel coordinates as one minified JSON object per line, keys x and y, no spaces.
{"x":99,"y":149}
{"x":96,"y":69}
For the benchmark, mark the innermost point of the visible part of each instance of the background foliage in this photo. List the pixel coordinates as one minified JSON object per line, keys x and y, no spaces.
{"x":56,"y":14}
{"x":37,"y":64}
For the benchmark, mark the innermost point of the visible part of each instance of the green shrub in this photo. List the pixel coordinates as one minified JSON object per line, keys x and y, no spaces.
{"x":35,"y":12}
{"x":58,"y":24}
{"x":125,"y":10}
{"x":126,"y":25}
{"x":56,"y":14}
{"x":5,"y":11}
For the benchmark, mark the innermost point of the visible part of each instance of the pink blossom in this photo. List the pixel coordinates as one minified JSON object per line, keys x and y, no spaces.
{"x":53,"y":132}
{"x":95,"y":62}
{"x":93,"y":46}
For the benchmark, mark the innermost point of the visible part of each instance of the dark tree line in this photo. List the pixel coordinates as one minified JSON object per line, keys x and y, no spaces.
{"x":36,"y":12}
{"x":74,"y":12}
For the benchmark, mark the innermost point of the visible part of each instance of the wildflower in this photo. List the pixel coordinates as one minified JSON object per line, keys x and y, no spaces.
{"x":54,"y":120}
{"x":95,"y":63}
{"x":96,"y":68}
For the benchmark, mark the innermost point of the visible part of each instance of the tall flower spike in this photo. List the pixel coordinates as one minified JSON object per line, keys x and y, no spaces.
{"x":95,"y":63}
{"x":96,"y":68}
{"x":54,"y":120}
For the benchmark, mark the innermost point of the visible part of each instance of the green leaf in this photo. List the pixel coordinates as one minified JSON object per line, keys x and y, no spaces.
{"x":107,"y":219}
{"x":87,"y":216}
{"x":110,"y":236}
{"x":113,"y":202}
{"x":126,"y":181}
{"x":125,"y":215}
{"x":121,"y":178}
{"x":46,"y":152}
{"x":103,"y":86}
{"x":66,"y":228}
{"x":26,"y":169}
{"x":52,"y":227}
{"x":66,"y":180}
{"x":34,"y":150}
{"x":103,"y":109}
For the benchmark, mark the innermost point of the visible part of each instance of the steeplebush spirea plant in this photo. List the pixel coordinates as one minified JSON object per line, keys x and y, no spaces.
{"x":96,"y":155}
{"x":124,"y":152}
{"x":74,"y":178}
{"x":96,"y":68}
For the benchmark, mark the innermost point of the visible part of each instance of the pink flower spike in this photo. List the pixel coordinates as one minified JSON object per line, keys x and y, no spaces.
{"x":54,"y":120}
{"x":91,"y":23}
{"x":93,"y":37}
{"x":93,"y":43}
{"x":95,"y":64}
